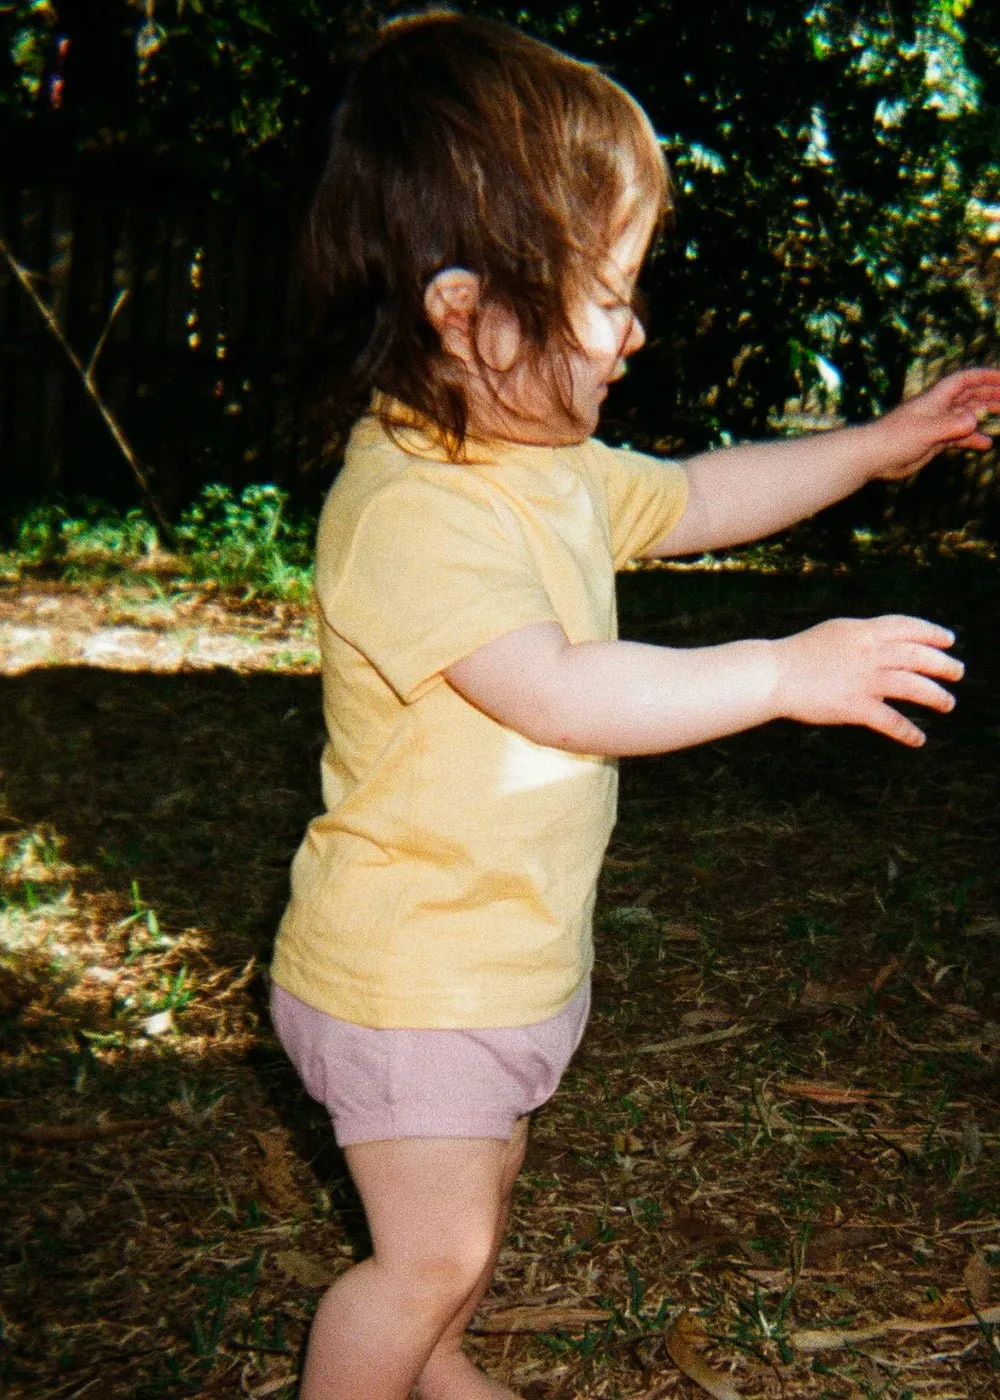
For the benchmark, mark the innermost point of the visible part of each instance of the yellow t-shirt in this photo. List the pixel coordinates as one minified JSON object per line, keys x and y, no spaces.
{"x":450,"y":881}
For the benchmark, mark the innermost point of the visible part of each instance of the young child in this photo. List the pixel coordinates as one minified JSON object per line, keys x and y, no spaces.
{"x":475,"y":243}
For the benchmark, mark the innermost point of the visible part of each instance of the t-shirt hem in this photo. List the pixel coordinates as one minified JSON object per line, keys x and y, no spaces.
{"x":304,"y":988}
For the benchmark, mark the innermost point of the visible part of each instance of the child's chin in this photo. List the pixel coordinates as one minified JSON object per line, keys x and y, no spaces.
{"x":575,"y":432}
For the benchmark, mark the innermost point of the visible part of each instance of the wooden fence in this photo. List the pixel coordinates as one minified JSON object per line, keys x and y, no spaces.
{"x":195,"y":309}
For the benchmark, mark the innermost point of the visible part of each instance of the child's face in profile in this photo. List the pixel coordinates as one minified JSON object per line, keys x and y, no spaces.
{"x":606,"y":326}
{"x":515,"y":397}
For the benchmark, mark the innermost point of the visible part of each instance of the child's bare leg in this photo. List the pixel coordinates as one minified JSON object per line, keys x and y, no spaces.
{"x":449,"y":1374}
{"x":432,"y":1206}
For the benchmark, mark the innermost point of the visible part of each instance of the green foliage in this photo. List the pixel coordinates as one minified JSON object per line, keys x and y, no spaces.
{"x":87,"y":533}
{"x":836,"y":168}
{"x":827,"y":191}
{"x":246,"y":541}
{"x":206,"y":81}
{"x":27,"y":48}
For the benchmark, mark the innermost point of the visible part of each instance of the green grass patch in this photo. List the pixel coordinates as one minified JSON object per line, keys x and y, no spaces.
{"x":249,"y":542}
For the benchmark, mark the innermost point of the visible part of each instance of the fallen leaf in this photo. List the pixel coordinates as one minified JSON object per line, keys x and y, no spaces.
{"x":976,"y":1277}
{"x":944,"y":1309}
{"x":586,"y":1226}
{"x":982,"y":928}
{"x":827,"y":1245}
{"x":972,"y":1143}
{"x":683,"y":1339}
{"x":706,"y":1016}
{"x":822,"y":1093}
{"x":268,"y":1385}
{"x":884,"y":973}
{"x":679,"y":933}
{"x":73,"y":1221}
{"x":306,"y":1269}
{"x":274,"y":1176}
{"x":817,"y":994}
{"x":964,"y":1013}
{"x":680,"y":1146}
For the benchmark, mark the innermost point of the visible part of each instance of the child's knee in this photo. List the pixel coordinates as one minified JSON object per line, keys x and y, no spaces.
{"x":447,"y":1270}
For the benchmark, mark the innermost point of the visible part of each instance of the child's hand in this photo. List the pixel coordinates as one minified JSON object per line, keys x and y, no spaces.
{"x":843,"y":671}
{"x":948,"y":415}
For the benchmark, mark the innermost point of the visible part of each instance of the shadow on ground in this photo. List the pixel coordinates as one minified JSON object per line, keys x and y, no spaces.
{"x":821,"y":905}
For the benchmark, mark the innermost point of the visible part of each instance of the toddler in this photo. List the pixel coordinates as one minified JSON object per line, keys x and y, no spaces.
{"x":474,"y":246}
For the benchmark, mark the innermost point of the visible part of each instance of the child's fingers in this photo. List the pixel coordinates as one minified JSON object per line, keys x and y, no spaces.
{"x":846,"y":670}
{"x":899,"y":627}
{"x":979,"y":441}
{"x":885,"y":720}
{"x":982,"y":400}
{"x":918,"y":690}
{"x":925,"y":660}
{"x":973,"y":385}
{"x":980,"y":394}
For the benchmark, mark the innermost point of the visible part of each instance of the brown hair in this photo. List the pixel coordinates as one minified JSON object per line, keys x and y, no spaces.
{"x":462,"y":142}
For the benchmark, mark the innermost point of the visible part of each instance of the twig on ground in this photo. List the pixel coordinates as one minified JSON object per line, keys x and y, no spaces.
{"x":822,"y":1339}
{"x":64,"y":1134}
{"x":685,"y":1042}
{"x":822,"y":1093}
{"x":539,"y":1319}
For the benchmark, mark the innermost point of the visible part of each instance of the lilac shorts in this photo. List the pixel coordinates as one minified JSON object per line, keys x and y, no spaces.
{"x":380,"y":1084}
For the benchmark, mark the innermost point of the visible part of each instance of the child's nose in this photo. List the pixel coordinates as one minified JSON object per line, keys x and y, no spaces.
{"x":636,"y":337}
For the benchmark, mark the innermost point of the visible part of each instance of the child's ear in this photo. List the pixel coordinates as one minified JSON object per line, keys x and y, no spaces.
{"x":451,"y":301}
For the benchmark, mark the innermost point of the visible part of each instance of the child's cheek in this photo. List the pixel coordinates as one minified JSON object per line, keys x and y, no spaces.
{"x":597,"y":332}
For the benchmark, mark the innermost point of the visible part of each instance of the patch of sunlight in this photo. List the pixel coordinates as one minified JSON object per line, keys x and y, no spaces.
{"x":35,"y":900}
{"x":758,"y":558}
{"x":98,"y":965}
{"x":816,"y":136}
{"x":784,"y":557}
{"x":938,"y":544}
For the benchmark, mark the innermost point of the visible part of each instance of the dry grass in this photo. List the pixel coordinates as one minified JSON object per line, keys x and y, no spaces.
{"x":784,"y":1117}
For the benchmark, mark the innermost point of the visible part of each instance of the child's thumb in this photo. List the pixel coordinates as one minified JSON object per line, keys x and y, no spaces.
{"x":964,"y":421}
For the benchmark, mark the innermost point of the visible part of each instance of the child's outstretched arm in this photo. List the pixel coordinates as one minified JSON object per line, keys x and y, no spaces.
{"x":746,"y":492}
{"x":630,"y":698}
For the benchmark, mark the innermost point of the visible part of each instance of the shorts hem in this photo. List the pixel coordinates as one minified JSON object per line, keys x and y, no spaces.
{"x":380,"y":1131}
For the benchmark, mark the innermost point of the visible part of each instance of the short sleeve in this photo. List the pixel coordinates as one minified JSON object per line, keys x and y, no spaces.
{"x":429,"y":575}
{"x":646,"y":498}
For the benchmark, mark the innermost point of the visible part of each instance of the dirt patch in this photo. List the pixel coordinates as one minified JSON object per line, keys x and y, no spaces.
{"x":142,"y":629}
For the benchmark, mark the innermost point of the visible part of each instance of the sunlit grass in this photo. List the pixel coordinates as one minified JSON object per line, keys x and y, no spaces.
{"x":249,"y":543}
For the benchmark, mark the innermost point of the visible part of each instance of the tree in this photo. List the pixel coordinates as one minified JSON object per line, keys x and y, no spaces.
{"x":836,"y":166}
{"x":833,"y":163}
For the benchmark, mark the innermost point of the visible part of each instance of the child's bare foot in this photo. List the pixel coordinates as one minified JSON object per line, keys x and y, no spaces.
{"x":455,"y":1378}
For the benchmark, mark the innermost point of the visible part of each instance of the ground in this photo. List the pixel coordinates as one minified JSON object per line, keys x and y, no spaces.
{"x":776,"y":1153}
